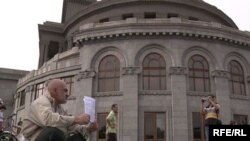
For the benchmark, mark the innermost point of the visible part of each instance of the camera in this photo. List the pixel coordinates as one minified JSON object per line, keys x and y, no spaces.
{"x":204,"y":99}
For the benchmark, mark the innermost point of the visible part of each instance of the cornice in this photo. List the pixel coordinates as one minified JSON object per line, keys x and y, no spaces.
{"x":32,"y":79}
{"x":161,"y":28}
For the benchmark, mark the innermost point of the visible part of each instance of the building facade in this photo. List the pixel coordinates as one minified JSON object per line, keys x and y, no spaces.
{"x":8,"y":82}
{"x":155,"y":58}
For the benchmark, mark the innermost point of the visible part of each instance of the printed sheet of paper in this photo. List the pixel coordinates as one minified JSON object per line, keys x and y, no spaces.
{"x":89,"y":107}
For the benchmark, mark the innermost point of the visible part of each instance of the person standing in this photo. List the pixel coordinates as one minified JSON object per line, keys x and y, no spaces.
{"x":211,"y":112}
{"x":46,"y":120}
{"x":111,"y":123}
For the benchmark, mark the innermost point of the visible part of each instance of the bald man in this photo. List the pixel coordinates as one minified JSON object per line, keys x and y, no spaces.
{"x":46,"y":120}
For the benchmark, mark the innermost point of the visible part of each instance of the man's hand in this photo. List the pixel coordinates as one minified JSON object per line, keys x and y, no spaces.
{"x":82,"y":119}
{"x":92,"y":127}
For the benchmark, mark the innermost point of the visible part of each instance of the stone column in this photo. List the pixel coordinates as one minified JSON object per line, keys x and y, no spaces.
{"x":179,"y":103}
{"x":46,"y":51}
{"x":28,"y":95}
{"x":69,"y":43}
{"x":129,"y":132}
{"x":83,"y":87}
{"x":223,"y":94}
{"x":43,"y":52}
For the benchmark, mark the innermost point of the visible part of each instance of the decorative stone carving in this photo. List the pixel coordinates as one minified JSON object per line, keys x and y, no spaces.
{"x":105,"y":94}
{"x":178,"y":71}
{"x":85,"y":74}
{"x":240,"y":97}
{"x":221,"y":74}
{"x":131,"y":70}
{"x":195,"y":93}
{"x":155,"y":92}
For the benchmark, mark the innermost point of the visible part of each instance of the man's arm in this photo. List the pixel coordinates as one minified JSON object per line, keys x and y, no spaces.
{"x":85,"y":130}
{"x":202,"y":110}
{"x":42,"y":114}
{"x":217,"y":106}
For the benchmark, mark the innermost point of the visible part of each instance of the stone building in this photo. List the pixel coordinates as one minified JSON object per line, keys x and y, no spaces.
{"x":155,"y":58}
{"x":8,"y":82}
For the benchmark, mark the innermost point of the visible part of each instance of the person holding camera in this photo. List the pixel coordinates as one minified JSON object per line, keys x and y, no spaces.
{"x":211,"y":112}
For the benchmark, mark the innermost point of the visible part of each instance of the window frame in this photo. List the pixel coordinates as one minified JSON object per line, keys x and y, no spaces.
{"x":42,"y":88}
{"x":69,"y":83}
{"x":155,"y":123}
{"x":240,"y":117}
{"x":116,"y":75}
{"x":98,"y":120}
{"x":162,"y":77}
{"x":192,"y":71}
{"x":22,"y":97}
{"x":240,"y":76}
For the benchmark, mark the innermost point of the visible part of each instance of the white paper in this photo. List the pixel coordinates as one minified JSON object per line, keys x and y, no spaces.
{"x":89,"y":107}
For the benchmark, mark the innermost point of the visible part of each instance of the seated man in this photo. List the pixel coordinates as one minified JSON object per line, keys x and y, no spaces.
{"x":46,"y":120}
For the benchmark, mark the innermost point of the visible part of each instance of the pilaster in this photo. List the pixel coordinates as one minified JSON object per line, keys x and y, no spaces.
{"x":130,"y":104}
{"x":179,"y":104}
{"x":84,"y":81}
{"x":223,"y":94}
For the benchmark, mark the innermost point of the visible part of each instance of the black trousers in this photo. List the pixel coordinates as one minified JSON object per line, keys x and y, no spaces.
{"x":54,"y":134}
{"x":112,"y":137}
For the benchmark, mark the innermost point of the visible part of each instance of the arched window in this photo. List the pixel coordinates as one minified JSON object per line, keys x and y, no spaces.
{"x":236,"y":81}
{"x":198,"y":69}
{"x":154,"y":72}
{"x":109,"y":74}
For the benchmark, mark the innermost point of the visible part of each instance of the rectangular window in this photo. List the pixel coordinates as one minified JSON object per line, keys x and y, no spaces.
{"x":196,"y":121}
{"x":150,"y":15}
{"x":125,"y":16}
{"x":53,"y":49}
{"x":154,"y":126}
{"x":193,"y":19}
{"x":39,"y":90}
{"x":22,"y":98}
{"x":101,"y":133}
{"x":240,"y":119}
{"x":172,"y":15}
{"x":69,"y":83}
{"x":104,"y":20}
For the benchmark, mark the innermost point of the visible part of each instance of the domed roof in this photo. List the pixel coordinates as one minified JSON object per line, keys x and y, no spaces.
{"x":77,"y":10}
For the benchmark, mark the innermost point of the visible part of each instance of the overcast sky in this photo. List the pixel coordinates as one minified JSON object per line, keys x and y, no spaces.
{"x":20,"y":18}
